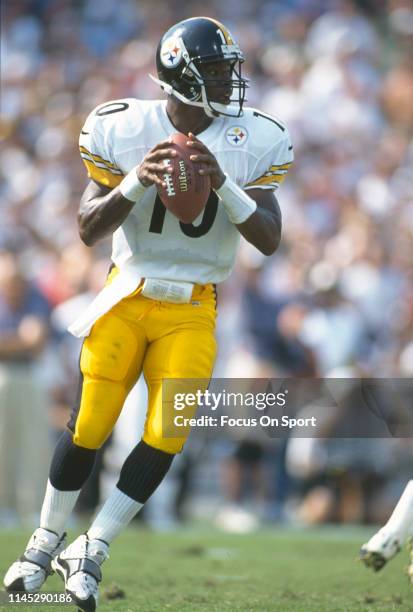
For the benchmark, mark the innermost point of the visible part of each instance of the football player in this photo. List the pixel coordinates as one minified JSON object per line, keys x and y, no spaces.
{"x":388,"y":541}
{"x":157,"y":312}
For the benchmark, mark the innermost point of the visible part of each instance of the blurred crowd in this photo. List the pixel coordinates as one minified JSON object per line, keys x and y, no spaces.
{"x":336,"y":300}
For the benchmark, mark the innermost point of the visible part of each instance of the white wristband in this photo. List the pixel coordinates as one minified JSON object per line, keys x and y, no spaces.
{"x":238,"y":205}
{"x":131,"y":188}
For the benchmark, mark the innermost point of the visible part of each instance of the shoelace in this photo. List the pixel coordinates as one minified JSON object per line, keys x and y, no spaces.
{"x":42,"y":541}
{"x":97,"y":555}
{"x":83,"y":549}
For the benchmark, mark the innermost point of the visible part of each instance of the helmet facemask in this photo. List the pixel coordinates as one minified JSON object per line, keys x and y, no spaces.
{"x":203,"y":87}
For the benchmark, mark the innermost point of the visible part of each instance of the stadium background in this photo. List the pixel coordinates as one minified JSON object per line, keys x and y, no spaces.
{"x":335,"y":300}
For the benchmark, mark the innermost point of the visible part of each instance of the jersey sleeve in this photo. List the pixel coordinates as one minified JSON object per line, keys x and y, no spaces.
{"x":272,"y":167}
{"x":95,"y":151}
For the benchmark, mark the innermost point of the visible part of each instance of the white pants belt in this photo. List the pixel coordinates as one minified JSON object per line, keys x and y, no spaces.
{"x":123,"y":285}
{"x":167,"y":291}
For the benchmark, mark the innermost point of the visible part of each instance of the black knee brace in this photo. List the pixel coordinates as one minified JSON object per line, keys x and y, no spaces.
{"x":143,"y":471}
{"x":71,"y":465}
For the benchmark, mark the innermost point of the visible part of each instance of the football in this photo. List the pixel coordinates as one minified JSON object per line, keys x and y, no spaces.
{"x":186,"y":192}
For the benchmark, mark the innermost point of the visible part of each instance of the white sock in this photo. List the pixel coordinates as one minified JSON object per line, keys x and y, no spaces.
{"x":57,"y":507}
{"x":117,"y":511}
{"x":401,"y":520}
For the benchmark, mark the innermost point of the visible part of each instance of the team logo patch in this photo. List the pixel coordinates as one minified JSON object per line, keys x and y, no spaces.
{"x":236,"y":136}
{"x":171,"y":53}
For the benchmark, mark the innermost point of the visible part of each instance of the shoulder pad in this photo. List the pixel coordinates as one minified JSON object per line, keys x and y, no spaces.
{"x":104,"y":116}
{"x":265,"y":130}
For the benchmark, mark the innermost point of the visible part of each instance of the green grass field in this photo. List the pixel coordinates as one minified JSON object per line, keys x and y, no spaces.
{"x":274,"y":569}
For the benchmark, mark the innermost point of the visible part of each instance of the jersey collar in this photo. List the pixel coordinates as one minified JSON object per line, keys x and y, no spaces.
{"x":211,"y":132}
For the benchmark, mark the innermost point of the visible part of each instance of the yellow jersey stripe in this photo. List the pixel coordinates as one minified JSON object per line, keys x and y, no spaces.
{"x":101,"y":175}
{"x":98,"y":158}
{"x":272,"y":186}
{"x":276,"y":173}
{"x":276,"y":179}
{"x":282,"y":167}
{"x":99,"y":164}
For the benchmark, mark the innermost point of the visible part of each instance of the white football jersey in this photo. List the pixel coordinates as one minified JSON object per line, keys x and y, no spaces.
{"x":254,"y":150}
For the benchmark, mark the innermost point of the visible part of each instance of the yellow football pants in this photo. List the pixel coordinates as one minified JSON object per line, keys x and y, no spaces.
{"x":165,"y":340}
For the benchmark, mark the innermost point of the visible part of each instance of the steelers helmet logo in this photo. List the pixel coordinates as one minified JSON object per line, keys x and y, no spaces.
{"x":236,"y":136}
{"x":171,"y":53}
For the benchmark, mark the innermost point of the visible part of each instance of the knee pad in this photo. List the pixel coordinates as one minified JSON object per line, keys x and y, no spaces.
{"x":161,"y":433}
{"x":71,"y":464}
{"x":100,"y":406}
{"x":143,"y":471}
{"x":172,"y":446}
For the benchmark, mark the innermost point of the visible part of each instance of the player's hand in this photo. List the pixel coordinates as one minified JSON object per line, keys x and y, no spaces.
{"x":211,"y":166}
{"x":153,"y":166}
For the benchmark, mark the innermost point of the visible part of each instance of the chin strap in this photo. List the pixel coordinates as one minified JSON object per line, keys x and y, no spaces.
{"x":172,"y":92}
{"x":212,"y":109}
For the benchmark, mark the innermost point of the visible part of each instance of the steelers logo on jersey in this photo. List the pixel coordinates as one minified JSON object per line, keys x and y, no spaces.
{"x":171,"y":53}
{"x":236,"y":136}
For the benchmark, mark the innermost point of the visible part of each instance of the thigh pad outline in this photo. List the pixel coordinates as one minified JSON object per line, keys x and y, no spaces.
{"x":109,"y":350}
